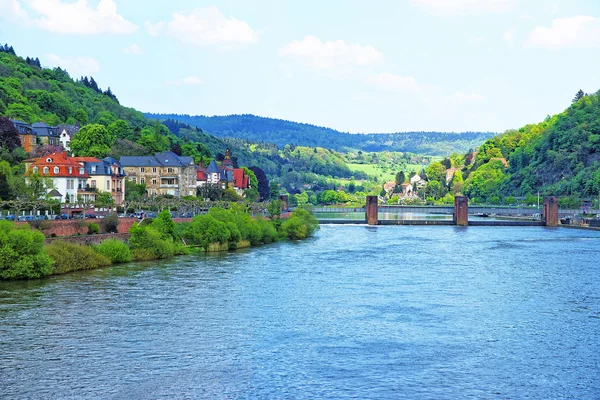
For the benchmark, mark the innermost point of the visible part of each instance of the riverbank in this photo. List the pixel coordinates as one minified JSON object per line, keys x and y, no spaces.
{"x":25,"y":256}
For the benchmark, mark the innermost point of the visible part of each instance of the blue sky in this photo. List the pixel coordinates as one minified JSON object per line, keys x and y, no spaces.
{"x":356,"y":66}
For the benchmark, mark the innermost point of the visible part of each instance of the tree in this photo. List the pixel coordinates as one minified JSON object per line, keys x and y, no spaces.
{"x":579,"y":95}
{"x":274,"y":191}
{"x":9,"y":136}
{"x":120,"y":129}
{"x":92,"y":141}
{"x":400,"y":178}
{"x":81,"y":116}
{"x":263,"y":183}
{"x":436,"y":172}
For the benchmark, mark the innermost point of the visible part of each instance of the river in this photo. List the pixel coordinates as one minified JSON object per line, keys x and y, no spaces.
{"x":415,"y":312}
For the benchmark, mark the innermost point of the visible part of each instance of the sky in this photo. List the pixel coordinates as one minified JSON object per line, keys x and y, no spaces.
{"x":353,"y":65}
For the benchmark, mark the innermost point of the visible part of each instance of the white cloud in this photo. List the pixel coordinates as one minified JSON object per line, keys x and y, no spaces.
{"x":509,"y":35}
{"x":327,"y":55}
{"x":12,"y":10}
{"x":79,"y":18}
{"x":76,"y":66}
{"x":133,"y":49}
{"x":395,"y":83}
{"x":154,"y":29}
{"x":464,"y":6}
{"x":566,"y":32}
{"x":191,"y":80}
{"x":465,"y":98}
{"x":208,"y":26}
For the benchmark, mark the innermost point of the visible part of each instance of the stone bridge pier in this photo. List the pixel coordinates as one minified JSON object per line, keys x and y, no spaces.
{"x":461,"y":210}
{"x":372,"y":210}
{"x":550,"y":212}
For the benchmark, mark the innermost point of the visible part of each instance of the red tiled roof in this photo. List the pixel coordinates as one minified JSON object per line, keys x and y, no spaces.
{"x":240,"y":179}
{"x":85,"y":159}
{"x":60,"y":160}
{"x":201,"y":176}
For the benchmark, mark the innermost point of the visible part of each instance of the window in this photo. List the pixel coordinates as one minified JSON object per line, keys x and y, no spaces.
{"x":69,"y":183}
{"x":93,"y":183}
{"x":81,"y":171}
{"x":142,"y":169}
{"x":35,"y":170}
{"x":93,"y":169}
{"x":169,"y":170}
{"x":56,"y":170}
{"x":154,"y":181}
{"x":134,"y":180}
{"x":142,"y":180}
{"x":108,"y":185}
{"x":154,"y":170}
{"x":46,"y":170}
{"x":70,"y":170}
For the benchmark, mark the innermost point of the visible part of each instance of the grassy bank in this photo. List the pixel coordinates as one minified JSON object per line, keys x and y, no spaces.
{"x":24,"y":256}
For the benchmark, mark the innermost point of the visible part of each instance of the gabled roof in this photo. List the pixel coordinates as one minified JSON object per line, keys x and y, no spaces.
{"x":213,"y":168}
{"x":67,"y":166}
{"x":54,"y":193}
{"x":166,"y":159}
{"x":201,"y":176}
{"x":240,"y":179}
{"x":43,"y":129}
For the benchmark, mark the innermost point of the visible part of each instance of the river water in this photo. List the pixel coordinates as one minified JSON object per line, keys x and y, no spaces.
{"x":414,"y":312}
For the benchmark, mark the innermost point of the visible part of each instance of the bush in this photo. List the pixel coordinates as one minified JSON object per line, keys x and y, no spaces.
{"x":69,"y":257}
{"x":204,"y":230}
{"x":22,"y":253}
{"x":111,"y":224}
{"x":115,"y":250}
{"x":268,"y":233}
{"x":93,"y":229}
{"x":148,"y":244}
{"x":301,"y":224}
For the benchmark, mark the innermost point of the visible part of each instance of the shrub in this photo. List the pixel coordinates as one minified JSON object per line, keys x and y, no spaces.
{"x":204,"y":230}
{"x":301,"y":224}
{"x":115,"y":250}
{"x":111,"y":224}
{"x":69,"y":257}
{"x":268,"y":232}
{"x":22,"y":253}
{"x":93,"y":229}
{"x":148,"y":244}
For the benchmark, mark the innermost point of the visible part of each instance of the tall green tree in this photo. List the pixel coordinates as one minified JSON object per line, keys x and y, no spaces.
{"x":92,"y":141}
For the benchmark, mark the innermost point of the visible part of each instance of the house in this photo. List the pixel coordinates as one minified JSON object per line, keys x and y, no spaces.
{"x":389,"y":186}
{"x":213,"y":173}
{"x":66,"y":133}
{"x":163,"y":173}
{"x":26,"y":135}
{"x":67,"y":175}
{"x":225,"y":175}
{"x":46,"y":134}
{"x":106,"y":175}
{"x":407,"y":190}
{"x":418,"y":181}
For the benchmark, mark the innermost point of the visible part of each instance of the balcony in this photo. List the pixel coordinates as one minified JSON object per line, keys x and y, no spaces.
{"x":166,"y":186}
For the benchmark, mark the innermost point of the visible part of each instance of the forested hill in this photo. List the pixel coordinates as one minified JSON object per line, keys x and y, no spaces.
{"x":281,"y":132}
{"x":559,"y":156}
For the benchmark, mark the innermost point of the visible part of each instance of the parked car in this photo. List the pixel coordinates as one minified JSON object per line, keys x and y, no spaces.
{"x":40,"y":217}
{"x":91,"y":215}
{"x":10,"y":217}
{"x":62,"y":216}
{"x":151,"y":215}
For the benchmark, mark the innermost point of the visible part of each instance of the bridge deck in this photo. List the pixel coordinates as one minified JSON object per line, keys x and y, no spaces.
{"x":430,"y":222}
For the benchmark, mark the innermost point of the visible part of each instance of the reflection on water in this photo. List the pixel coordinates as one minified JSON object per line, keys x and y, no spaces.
{"x":414,"y":312}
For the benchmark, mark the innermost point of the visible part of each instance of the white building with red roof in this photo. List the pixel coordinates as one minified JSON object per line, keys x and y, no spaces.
{"x":67,"y":175}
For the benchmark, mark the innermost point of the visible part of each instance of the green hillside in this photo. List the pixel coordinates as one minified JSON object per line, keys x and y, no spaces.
{"x":559,"y":156}
{"x":281,"y":132}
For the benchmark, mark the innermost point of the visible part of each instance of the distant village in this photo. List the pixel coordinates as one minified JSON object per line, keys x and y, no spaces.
{"x":80,"y":179}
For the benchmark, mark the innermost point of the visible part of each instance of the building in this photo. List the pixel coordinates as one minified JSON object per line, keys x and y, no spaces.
{"x":163,"y":173}
{"x":67,"y":175}
{"x":46,"y":134}
{"x":66,"y":133}
{"x":26,"y":135}
{"x":225,"y":175}
{"x":106,"y":175}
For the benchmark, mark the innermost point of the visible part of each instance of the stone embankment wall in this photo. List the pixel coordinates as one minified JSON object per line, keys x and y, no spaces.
{"x":70,"y":227}
{"x":90,"y":239}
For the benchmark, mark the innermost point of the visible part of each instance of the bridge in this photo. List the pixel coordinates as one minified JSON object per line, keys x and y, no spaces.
{"x":548,"y":216}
